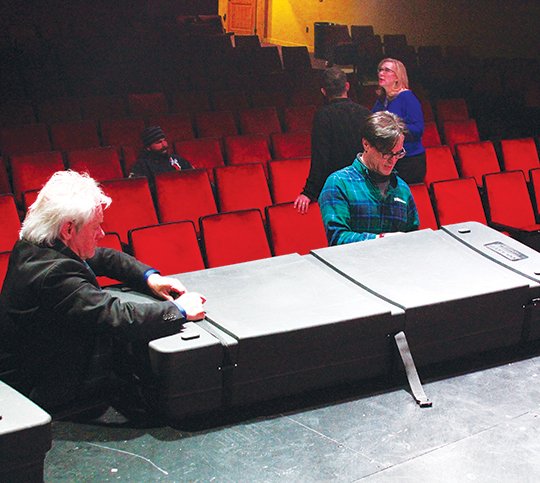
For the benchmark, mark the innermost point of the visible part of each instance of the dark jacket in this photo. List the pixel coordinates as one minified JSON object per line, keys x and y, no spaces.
{"x":150,"y":163}
{"x":54,"y":316}
{"x":336,"y":139}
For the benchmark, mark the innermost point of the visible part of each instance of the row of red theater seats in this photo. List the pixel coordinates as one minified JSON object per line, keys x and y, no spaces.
{"x":61,"y":109}
{"x":506,"y":202}
{"x":186,"y":195}
{"x":68,"y":135}
{"x":477,"y":158}
{"x":225,"y":238}
{"x":30,"y":171}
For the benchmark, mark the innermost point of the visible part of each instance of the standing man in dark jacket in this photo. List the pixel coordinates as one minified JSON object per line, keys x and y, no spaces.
{"x":155,"y":157}
{"x":335,"y":137}
{"x":55,"y":319}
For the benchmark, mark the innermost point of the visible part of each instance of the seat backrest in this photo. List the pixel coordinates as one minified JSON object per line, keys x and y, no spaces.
{"x":360,"y":32}
{"x":287,"y":178}
{"x":117,"y":132}
{"x":427,"y":110}
{"x":292,"y":232}
{"x":229,"y":100}
{"x":431,"y":136}
{"x":177,"y":127}
{"x":191,"y":101}
{"x":14,"y":113}
{"x":74,"y":135}
{"x":247,"y":42}
{"x":456,"y":132}
{"x":457,"y":201}
{"x":203,"y":153}
{"x":269,"y":98}
{"x":296,"y":58}
{"x":59,"y":109}
{"x":9,"y":221}
{"x":247,"y":148}
{"x":103,"y":107}
{"x":508,"y":199}
{"x":291,"y":145}
{"x":4,"y":262}
{"x":299,"y":118}
{"x":5,"y":184}
{"x":259,"y":120}
{"x":234,"y":237}
{"x":476,"y":159}
{"x":440,"y":165}
{"x":520,"y":154}
{"x":100,"y":163}
{"x":215,"y":124}
{"x":110,"y":240}
{"x":265,"y":60}
{"x":242,"y":187}
{"x":184,"y":195}
{"x":28,"y":138}
{"x":170,"y":247}
{"x":131,"y":206}
{"x":147,"y":104}
{"x":32,"y":171}
{"x":452,"y":110}
{"x":422,"y":200}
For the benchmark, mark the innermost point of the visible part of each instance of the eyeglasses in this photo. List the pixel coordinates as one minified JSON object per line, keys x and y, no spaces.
{"x":399,"y":154}
{"x":385,"y":70}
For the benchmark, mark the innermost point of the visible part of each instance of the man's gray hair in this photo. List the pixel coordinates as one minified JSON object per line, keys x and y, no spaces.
{"x":382,"y":130}
{"x":67,"y":196}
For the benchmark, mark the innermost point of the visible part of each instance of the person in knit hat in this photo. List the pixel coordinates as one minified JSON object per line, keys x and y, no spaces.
{"x":155,"y":158}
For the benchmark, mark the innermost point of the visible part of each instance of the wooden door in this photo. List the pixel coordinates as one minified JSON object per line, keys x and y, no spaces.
{"x":242,"y":16}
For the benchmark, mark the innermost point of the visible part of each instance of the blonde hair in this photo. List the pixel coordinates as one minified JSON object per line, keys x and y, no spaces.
{"x":402,"y":81}
{"x":67,"y":196}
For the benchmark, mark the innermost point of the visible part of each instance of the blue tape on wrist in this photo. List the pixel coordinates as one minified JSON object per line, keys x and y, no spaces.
{"x":149,"y":272}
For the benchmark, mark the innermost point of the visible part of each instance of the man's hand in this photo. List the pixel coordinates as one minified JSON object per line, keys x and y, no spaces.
{"x":302,"y":204}
{"x":167,"y":288}
{"x":192,"y":303}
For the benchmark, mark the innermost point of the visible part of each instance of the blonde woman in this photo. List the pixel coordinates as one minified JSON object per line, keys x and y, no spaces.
{"x":395,"y":97}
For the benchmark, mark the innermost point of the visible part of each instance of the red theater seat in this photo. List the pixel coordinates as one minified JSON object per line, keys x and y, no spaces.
{"x":477,"y":159}
{"x":431,"y":136}
{"x":4,"y":262}
{"x":299,"y":118}
{"x":110,"y":240}
{"x":456,"y":132}
{"x":234,"y":237}
{"x":215,"y":124}
{"x":103,"y":107}
{"x":242,"y":187}
{"x":440,"y":165}
{"x":10,"y":222}
{"x":170,"y":248}
{"x":520,"y":154}
{"x":458,"y":201}
{"x":29,"y":138}
{"x":287,"y":178}
{"x":261,"y":120}
{"x":147,"y":104}
{"x":202,"y":153}
{"x":119,"y":132}
{"x":74,"y":135}
{"x":509,"y":203}
{"x":59,"y":109}
{"x":100,"y":163}
{"x":291,"y":145}
{"x":191,"y":101}
{"x":184,"y":195}
{"x":247,"y":148}
{"x":32,"y":171}
{"x":131,"y":206}
{"x":452,"y":110}
{"x":424,"y":206}
{"x":291,"y":232}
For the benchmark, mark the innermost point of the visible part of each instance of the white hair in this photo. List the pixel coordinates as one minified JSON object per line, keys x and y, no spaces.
{"x":67,"y":196}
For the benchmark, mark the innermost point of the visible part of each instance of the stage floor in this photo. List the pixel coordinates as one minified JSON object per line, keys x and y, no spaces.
{"x":484,"y":426}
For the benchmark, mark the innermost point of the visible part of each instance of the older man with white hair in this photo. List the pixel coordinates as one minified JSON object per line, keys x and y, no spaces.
{"x":55,"y":317}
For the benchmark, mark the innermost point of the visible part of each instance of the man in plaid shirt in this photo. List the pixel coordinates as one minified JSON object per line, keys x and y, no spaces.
{"x":368,"y":200}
